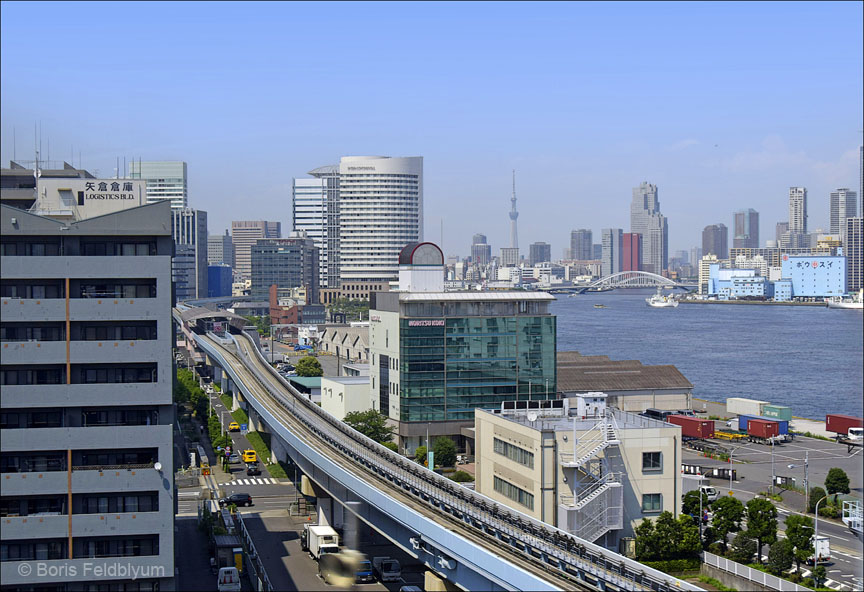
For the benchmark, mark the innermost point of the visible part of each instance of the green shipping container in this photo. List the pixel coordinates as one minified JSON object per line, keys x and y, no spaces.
{"x":778,"y":411}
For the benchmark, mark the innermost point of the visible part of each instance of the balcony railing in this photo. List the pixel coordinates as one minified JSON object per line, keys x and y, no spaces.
{"x":112,"y":467}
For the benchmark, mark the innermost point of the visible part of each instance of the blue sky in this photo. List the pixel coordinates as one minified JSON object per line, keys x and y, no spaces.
{"x":723,"y":106}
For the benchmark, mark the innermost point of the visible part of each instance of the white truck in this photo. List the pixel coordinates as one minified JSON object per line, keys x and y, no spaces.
{"x":387,"y":570}
{"x":822,"y":549}
{"x":693,"y":482}
{"x":321,"y":540}
{"x":229,"y":580}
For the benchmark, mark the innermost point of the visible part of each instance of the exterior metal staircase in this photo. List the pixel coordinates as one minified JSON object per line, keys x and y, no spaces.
{"x":596,"y":504}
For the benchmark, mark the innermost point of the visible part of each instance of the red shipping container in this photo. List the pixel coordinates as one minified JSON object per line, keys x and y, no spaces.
{"x":840,"y":424}
{"x":693,"y":427}
{"x":762,"y":428}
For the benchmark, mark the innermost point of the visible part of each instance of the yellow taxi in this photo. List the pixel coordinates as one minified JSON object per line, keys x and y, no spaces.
{"x":249,"y":456}
{"x":233,"y":427}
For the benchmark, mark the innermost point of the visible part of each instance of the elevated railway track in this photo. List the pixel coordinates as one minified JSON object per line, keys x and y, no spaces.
{"x":539,"y":556}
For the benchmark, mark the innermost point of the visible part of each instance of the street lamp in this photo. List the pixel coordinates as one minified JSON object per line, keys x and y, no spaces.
{"x":806,"y":483}
{"x":730,"y":466}
{"x":816,"y":533}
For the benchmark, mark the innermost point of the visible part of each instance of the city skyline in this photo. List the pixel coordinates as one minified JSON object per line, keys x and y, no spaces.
{"x":705,"y":166}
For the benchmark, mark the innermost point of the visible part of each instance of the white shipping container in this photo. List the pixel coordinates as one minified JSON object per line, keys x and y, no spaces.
{"x":741,"y":406}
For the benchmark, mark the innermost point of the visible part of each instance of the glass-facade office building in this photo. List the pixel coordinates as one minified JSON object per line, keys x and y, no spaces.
{"x":436,"y":357}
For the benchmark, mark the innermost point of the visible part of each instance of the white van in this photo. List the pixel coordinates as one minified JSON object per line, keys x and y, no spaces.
{"x":229,"y":580}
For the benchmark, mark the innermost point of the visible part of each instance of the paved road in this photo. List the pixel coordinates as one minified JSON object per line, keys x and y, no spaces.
{"x":754,"y":476}
{"x":277,"y":538}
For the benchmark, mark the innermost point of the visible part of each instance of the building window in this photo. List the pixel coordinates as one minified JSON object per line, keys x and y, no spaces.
{"x":652,"y":503}
{"x":514,"y":453}
{"x":652,"y":461}
{"x":518,"y":495}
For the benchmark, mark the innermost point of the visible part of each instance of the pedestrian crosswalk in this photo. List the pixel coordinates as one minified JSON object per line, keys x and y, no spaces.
{"x":255,"y":481}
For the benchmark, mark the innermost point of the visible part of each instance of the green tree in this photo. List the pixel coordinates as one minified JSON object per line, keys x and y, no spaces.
{"x":742,"y":549}
{"x":837,"y":481}
{"x":667,"y":535}
{"x":646,"y":542}
{"x":261,"y":323}
{"x":728,"y":512}
{"x":780,"y":557}
{"x":462,"y":477}
{"x":819,"y":574}
{"x":420,"y":454}
{"x":816,"y":494}
{"x":391,"y":445}
{"x":799,"y":532}
{"x":369,"y":423}
{"x":691,"y":503}
{"x":309,"y":366}
{"x":688,"y":543}
{"x":761,"y":523}
{"x":445,"y":452}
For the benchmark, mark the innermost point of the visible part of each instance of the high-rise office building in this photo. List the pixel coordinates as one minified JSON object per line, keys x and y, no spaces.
{"x":597,"y":251}
{"x":853,"y":249}
{"x":189,"y":265}
{"x":538,"y":253}
{"x":581,"y":246}
{"x":646,"y":219}
{"x":481,"y":252}
{"x":842,"y":205}
{"x":310,"y":201}
{"x":219,"y":280}
{"x":380,"y":211}
{"x":611,"y":261}
{"x":797,"y":209}
{"x":509,"y":257}
{"x":631,"y":248}
{"x":695,"y":255}
{"x":286,"y":263}
{"x":86,"y":439}
{"x":796,"y":237}
{"x":244,"y":233}
{"x":746,"y":228}
{"x":220,"y":249}
{"x":780,"y":229}
{"x":715,"y":241}
{"x":166,"y":180}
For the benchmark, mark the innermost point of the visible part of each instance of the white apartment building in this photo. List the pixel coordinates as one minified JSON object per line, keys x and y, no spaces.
{"x":166,"y":180}
{"x":380,"y":211}
{"x":574,"y":463}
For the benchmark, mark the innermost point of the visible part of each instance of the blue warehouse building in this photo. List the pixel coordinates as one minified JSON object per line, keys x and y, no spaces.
{"x":815,"y":276}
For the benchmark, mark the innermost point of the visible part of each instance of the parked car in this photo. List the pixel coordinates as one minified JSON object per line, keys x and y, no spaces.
{"x":238,"y":499}
{"x":233,"y":427}
{"x":234,"y":458}
{"x":253,"y":469}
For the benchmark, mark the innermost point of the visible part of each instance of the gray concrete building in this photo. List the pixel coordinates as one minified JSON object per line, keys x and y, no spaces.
{"x":842,"y":204}
{"x":286,"y":263}
{"x":581,"y":245}
{"x":745,"y":226}
{"x":481,"y":250}
{"x":539,"y":253}
{"x":244,"y":233}
{"x":854,"y":251}
{"x":189,"y":266}
{"x":220,"y":249}
{"x":18,"y":183}
{"x":612,"y":260}
{"x":86,"y":447}
{"x":715,"y":240}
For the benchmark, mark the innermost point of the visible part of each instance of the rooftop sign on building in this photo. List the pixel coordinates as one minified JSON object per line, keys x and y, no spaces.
{"x":79,"y":199}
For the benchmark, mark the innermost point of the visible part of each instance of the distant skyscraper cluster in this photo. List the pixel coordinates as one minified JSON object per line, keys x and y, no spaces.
{"x":746,"y":228}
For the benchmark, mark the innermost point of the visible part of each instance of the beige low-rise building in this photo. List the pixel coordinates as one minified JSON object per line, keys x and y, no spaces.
{"x":592,"y":470}
{"x":350,"y":343}
{"x":345,"y":394}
